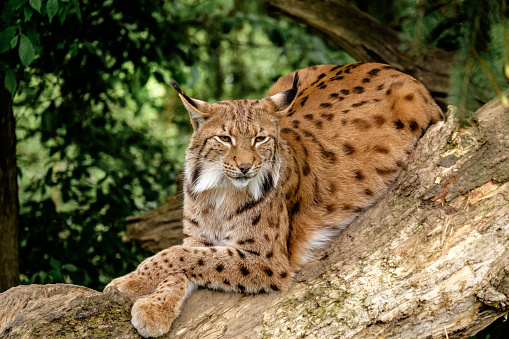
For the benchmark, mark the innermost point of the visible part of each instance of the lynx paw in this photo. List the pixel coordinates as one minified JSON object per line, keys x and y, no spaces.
{"x":152,"y":318}
{"x":132,"y":285}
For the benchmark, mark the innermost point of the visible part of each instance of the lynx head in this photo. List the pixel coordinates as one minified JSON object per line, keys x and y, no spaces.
{"x":235,"y":144}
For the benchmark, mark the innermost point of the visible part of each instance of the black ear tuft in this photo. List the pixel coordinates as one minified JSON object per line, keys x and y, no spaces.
{"x":295,"y":81}
{"x":290,"y":94}
{"x":188,"y":99}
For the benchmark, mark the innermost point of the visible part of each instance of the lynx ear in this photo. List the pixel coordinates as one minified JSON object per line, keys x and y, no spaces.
{"x":199,"y":111}
{"x":281,"y":101}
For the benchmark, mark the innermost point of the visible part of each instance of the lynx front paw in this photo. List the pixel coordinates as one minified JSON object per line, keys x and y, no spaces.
{"x":152,"y":317}
{"x":132,"y":285}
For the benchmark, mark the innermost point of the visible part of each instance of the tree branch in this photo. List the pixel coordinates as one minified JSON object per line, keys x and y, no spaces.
{"x":366,"y":39}
{"x":429,"y":258}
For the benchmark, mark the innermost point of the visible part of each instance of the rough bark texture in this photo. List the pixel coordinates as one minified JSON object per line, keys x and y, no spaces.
{"x":429,"y":260}
{"x":9,"y":206}
{"x":366,"y":39}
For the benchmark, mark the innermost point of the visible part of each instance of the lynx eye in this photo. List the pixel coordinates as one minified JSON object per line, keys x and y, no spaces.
{"x":261,"y":139}
{"x":224,"y":138}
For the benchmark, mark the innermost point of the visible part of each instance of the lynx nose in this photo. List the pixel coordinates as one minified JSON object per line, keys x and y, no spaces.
{"x":244,"y":167}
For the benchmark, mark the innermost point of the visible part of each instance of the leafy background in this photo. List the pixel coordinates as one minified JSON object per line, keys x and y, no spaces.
{"x":101,"y":136}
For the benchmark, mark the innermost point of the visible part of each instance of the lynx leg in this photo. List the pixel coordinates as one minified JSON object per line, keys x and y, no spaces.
{"x":153,"y":314}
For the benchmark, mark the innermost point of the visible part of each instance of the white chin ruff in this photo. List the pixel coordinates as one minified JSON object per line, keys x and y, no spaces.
{"x":212,"y":176}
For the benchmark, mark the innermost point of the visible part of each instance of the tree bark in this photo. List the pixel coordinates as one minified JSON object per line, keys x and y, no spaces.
{"x":9,"y":205}
{"x":366,"y":39}
{"x":429,"y":260}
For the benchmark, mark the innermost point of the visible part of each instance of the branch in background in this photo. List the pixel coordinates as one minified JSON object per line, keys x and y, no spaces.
{"x":366,"y":39}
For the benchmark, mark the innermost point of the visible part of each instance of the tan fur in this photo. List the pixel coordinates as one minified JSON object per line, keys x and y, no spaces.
{"x":299,"y":165}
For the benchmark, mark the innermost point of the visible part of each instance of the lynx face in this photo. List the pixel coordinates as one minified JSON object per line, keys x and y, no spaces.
{"x":235,"y":156}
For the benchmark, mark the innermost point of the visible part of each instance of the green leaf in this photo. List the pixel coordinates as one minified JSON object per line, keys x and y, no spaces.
{"x":14,"y":42}
{"x":26,"y":50}
{"x":76,"y":5}
{"x":52,"y":9}
{"x":6,"y":37}
{"x":16,"y":4}
{"x":36,"y":4}
{"x":10,"y":81}
{"x":28,"y":13}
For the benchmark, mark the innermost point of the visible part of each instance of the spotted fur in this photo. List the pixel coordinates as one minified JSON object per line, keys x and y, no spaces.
{"x":267,"y":182}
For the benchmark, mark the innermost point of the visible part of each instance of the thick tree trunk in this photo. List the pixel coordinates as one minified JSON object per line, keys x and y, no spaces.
{"x":366,"y":39}
{"x":9,"y":206}
{"x":429,"y":260}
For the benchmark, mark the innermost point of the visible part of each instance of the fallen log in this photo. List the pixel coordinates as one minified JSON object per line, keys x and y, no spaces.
{"x":429,"y":260}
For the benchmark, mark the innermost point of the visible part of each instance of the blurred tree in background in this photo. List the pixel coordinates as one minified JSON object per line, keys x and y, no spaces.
{"x":100,"y":135}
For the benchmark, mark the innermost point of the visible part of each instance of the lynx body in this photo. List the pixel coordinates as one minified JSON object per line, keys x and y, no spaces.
{"x":267,"y":182}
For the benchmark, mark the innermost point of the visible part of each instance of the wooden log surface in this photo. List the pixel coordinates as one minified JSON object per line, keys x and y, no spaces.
{"x":429,"y":260}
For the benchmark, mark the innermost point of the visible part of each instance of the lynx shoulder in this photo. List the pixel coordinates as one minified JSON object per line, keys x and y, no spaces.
{"x":267,"y":182}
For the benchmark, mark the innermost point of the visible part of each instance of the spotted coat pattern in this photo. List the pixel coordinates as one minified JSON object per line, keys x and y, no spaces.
{"x":267,"y":182}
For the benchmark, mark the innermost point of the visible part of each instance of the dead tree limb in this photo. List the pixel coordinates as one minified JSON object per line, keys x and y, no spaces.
{"x":429,"y":260}
{"x":366,"y":39}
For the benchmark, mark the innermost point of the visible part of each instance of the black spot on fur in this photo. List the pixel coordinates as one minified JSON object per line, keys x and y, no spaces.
{"x":365,"y":80}
{"x":388,"y":92}
{"x":360,"y":103}
{"x":268,"y":184}
{"x":253,"y":252}
{"x":379,"y":120}
{"x":286,"y":130}
{"x":226,"y":282}
{"x":244,"y":270}
{"x":328,"y":116}
{"x":414,"y":126}
{"x":409,"y":97}
{"x":334,"y":68}
{"x":385,"y":171}
{"x":381,"y":149}
{"x":200,"y":262}
{"x":309,"y":116}
{"x":295,"y":123}
{"x":359,"y":175}
{"x":361,"y":123}
{"x":318,"y":124}
{"x":274,"y":287}
{"x":374,"y":72}
{"x":242,"y":255}
{"x":306,"y":169}
{"x":219,"y":267}
{"x":358,"y":89}
{"x":348,"y":148}
{"x":321,"y":76}
{"x":380,"y":87}
{"x":333,"y":95}
{"x":303,"y":101}
{"x":398,"y":124}
{"x":368,"y":192}
{"x":338,"y":77}
{"x":345,"y":91}
{"x":256,"y":220}
{"x":328,"y":155}
{"x":346,"y":111}
{"x":269,"y":255}
{"x":268,"y":271}
{"x":241,"y":288}
{"x":325,"y":105}
{"x":251,"y":204}
{"x":195,"y":175}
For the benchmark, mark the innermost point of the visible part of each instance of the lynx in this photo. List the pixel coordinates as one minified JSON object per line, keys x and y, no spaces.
{"x":270,"y":181}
